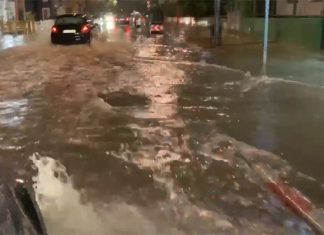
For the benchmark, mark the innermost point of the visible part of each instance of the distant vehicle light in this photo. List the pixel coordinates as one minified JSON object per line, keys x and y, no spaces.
{"x":109,"y":18}
{"x":127,"y":19}
{"x":110,"y":25}
{"x":85,"y":29}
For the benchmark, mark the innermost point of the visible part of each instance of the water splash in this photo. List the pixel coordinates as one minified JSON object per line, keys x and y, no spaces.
{"x":66,"y":214}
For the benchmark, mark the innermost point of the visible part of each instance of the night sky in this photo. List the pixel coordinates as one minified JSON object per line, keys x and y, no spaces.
{"x":129,"y":5}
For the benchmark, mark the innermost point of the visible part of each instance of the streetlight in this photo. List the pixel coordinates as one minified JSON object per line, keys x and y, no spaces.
{"x":266,"y":36}
{"x":217,"y":23}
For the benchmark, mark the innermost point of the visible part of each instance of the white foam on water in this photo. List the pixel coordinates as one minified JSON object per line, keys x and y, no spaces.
{"x":12,"y":112}
{"x":184,"y":211}
{"x":156,"y":81}
{"x":252,"y":82}
{"x":178,"y":205}
{"x":230,"y":148}
{"x":65,"y":213}
{"x":148,"y":58}
{"x":150,"y":48}
{"x":160,"y":77}
{"x":61,"y":203}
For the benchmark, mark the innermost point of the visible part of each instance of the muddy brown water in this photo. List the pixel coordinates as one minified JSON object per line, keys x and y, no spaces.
{"x":127,"y":138}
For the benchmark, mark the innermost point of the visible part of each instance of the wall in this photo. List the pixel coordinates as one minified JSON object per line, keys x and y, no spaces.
{"x":233,"y":20}
{"x":303,"y":31}
{"x":304,"y":8}
{"x":284,"y":8}
{"x":20,"y":9}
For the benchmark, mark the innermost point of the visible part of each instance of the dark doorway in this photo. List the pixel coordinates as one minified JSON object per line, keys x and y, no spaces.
{"x":259,"y":8}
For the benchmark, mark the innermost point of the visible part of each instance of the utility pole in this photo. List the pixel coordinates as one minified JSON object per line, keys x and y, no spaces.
{"x":86,"y":6}
{"x":266,"y":35}
{"x":217,"y":23}
{"x":5,"y":11}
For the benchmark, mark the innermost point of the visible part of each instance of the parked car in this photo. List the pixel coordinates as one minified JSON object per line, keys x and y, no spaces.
{"x":122,"y":20}
{"x":71,"y":29}
{"x":156,"y":22}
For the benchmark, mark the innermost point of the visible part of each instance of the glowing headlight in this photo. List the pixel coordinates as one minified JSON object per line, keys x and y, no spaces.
{"x":101,"y":22}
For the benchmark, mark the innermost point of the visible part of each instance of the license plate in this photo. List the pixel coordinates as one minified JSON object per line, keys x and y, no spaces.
{"x":69,"y":31}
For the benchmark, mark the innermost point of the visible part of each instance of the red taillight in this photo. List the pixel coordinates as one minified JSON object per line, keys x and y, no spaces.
{"x":54,"y":29}
{"x":85,"y":29}
{"x":127,"y":19}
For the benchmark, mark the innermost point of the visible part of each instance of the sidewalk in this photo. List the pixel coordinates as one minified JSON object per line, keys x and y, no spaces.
{"x":239,"y":52}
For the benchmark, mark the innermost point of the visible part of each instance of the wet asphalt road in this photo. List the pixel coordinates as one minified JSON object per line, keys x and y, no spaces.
{"x":138,"y":135}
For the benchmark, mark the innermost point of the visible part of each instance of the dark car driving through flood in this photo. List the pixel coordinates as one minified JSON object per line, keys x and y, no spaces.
{"x":122,"y":20}
{"x":71,"y":29}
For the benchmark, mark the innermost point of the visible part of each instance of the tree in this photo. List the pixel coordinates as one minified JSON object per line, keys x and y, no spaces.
{"x":70,"y":6}
{"x":112,"y":4}
{"x":96,"y":6}
{"x":194,"y":8}
{"x":198,"y":8}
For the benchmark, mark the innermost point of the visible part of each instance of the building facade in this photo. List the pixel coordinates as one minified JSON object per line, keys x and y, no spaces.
{"x":7,"y":10}
{"x":300,"y":8}
{"x":71,"y":6}
{"x":288,"y":7}
{"x":41,"y":9}
{"x":297,"y":22}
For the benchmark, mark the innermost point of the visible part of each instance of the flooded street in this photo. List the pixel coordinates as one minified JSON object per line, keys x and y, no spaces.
{"x":139,"y":135}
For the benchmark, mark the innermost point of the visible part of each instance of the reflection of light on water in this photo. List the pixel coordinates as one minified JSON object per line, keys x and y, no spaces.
{"x":157,"y":111}
{"x":12,"y":112}
{"x":160,"y":79}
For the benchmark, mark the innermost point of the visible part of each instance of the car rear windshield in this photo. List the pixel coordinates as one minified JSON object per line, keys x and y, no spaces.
{"x":157,"y":17}
{"x":69,"y":20}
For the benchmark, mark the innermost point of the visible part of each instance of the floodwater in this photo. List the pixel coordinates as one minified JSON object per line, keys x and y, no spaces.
{"x":139,"y":135}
